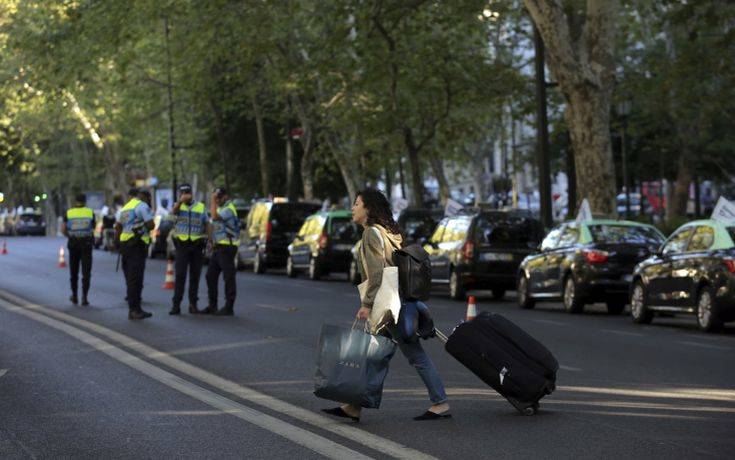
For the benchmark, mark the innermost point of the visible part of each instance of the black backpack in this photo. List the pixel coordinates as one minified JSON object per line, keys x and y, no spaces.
{"x":414,"y":272}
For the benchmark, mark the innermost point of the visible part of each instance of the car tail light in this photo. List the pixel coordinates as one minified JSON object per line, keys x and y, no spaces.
{"x":323,"y":240}
{"x":468,"y":250}
{"x":268,"y":231}
{"x":594,"y":256}
{"x":730,"y":264}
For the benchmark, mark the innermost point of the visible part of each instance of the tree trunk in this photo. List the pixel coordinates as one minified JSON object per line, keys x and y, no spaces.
{"x":221,"y":141}
{"x":571,"y":184}
{"x":351,"y":175}
{"x":262,"y":150}
{"x":583,"y":63}
{"x":290,"y":192}
{"x":589,"y":128}
{"x":417,"y":183}
{"x":437,"y":167}
{"x":307,"y":160}
{"x":478,"y":179}
{"x":680,"y":193}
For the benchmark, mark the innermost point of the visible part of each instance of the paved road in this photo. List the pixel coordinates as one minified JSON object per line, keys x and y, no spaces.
{"x":86,"y":382}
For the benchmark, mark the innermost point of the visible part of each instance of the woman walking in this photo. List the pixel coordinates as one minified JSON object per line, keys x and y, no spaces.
{"x":381,"y":236}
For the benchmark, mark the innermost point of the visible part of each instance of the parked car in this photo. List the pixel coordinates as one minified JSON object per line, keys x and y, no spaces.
{"x":693,"y":272}
{"x":270,"y":227}
{"x":417,"y":224}
{"x":482,"y":250}
{"x":323,"y":245}
{"x":585,"y":262}
{"x":159,"y":235}
{"x":29,"y":224}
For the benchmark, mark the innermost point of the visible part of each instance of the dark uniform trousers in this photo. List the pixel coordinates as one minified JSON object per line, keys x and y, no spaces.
{"x":80,"y":253}
{"x":222,"y":261}
{"x":189,"y":255}
{"x":133,"y":254}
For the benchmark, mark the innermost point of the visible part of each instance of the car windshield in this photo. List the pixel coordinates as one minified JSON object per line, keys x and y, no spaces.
{"x":418,"y":226}
{"x":288,"y":217}
{"x":631,"y":234}
{"x":30,"y":218}
{"x":731,"y":231}
{"x":342,"y":228}
{"x":508,"y":231}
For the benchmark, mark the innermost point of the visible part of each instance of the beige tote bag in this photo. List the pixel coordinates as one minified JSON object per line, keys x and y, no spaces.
{"x":387,"y":305}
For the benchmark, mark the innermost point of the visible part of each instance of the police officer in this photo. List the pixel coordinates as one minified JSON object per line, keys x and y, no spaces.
{"x":225,"y":239}
{"x":78,"y":226}
{"x":136,"y":221}
{"x":189,"y":239}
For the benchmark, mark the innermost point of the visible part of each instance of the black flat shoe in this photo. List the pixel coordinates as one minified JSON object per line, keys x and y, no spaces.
{"x":338,"y":412}
{"x":73,"y":299}
{"x":428,"y":415}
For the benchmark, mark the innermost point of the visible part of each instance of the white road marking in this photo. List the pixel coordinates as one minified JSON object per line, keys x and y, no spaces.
{"x":613,"y":331}
{"x":300,"y":436}
{"x":705,"y":345}
{"x":569,"y":368}
{"x":372,"y":441}
{"x":548,"y":321}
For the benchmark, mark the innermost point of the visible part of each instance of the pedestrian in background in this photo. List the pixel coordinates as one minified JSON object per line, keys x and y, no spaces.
{"x":380,"y":237}
{"x":78,"y":227}
{"x":225,"y":239}
{"x":189,"y":239}
{"x":134,"y":226}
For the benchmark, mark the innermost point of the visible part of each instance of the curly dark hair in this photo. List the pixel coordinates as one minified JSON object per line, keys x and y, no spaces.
{"x":379,"y":210}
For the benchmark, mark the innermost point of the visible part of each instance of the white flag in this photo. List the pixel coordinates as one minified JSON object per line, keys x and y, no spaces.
{"x":585,"y":212}
{"x":452,"y":208}
{"x":724,"y":211}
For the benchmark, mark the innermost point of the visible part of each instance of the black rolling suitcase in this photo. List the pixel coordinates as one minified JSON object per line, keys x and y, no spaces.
{"x":505,"y":357}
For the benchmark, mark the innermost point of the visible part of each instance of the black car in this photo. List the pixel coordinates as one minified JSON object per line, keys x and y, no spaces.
{"x":29,"y":224}
{"x":270,"y":227}
{"x":417,"y":224}
{"x":323,"y":245}
{"x":694,"y":272}
{"x":585,"y":262}
{"x":482,"y":250}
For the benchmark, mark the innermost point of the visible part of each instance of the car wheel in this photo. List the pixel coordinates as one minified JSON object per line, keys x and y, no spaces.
{"x":638,"y":308}
{"x":258,"y":265}
{"x":707,"y":314}
{"x":498,"y":294}
{"x":290,"y":270}
{"x":354,"y":273}
{"x":457,"y":290}
{"x":314,"y":269}
{"x":572,"y":302}
{"x":524,"y":293}
{"x":615,"y":307}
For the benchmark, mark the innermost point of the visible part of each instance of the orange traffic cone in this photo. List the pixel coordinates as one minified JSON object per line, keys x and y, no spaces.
{"x":471,"y":308}
{"x":169,"y":281}
{"x":5,"y":248}
{"x":62,"y":261}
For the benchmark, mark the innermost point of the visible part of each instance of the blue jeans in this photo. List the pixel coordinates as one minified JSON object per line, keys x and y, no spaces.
{"x":418,"y":358}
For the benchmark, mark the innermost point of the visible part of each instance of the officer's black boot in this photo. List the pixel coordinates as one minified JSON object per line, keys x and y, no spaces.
{"x":74,"y":299}
{"x":210,"y":310}
{"x":85,"y":302}
{"x":193,"y":310}
{"x":227,"y":311}
{"x":175,"y":310}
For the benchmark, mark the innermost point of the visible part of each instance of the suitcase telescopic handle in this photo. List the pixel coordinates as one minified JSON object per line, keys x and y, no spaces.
{"x":440,"y":335}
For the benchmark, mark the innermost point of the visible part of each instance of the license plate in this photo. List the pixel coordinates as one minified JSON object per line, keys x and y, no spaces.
{"x":496,"y":256}
{"x":342,"y":247}
{"x":628,"y":278}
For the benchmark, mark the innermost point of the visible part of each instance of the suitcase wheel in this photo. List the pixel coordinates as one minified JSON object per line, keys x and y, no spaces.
{"x":529,"y":411}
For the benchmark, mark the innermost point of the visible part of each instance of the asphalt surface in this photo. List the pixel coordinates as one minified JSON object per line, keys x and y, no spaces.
{"x":86,"y":382}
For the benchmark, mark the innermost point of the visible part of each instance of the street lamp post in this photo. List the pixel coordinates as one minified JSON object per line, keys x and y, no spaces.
{"x":624,"y":111}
